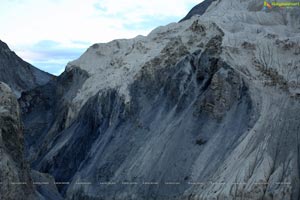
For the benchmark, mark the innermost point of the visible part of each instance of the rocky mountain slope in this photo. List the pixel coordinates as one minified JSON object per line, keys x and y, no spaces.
{"x":14,"y":171}
{"x":18,"y":74}
{"x":202,"y":109}
{"x":18,"y":182}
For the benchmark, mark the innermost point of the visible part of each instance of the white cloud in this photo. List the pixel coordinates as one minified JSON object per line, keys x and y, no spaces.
{"x":25,"y":23}
{"x":136,"y":10}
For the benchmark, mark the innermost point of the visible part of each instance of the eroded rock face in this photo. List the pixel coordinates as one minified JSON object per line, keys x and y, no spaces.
{"x":17,"y":180}
{"x":14,"y":171}
{"x":210,"y":103}
{"x":177,"y":99}
{"x":47,"y":111}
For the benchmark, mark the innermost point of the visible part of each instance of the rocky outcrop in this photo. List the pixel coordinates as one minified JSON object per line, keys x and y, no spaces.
{"x":18,"y":74}
{"x":45,"y":186}
{"x":18,"y":182}
{"x":14,"y":171}
{"x":47,"y":110}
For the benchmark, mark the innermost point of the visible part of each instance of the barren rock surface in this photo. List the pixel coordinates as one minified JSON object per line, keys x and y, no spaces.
{"x":204,"y":109}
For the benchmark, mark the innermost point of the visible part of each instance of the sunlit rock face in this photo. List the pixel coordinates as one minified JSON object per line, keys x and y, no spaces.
{"x":210,"y":104}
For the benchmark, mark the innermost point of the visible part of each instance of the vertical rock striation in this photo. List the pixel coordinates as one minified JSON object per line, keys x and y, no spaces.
{"x":14,"y":171}
{"x":202,"y":109}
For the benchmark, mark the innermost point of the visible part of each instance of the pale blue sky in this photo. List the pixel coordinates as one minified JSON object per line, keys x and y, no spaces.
{"x":50,"y":33}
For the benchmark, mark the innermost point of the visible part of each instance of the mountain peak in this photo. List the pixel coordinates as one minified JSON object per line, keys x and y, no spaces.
{"x":18,"y":74}
{"x":3,"y":45}
{"x":198,"y":9}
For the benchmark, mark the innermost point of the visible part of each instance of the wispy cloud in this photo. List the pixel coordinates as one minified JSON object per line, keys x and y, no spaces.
{"x":50,"y":55}
{"x":61,"y":30}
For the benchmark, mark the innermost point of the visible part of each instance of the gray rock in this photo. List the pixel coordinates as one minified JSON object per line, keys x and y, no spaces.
{"x":17,"y":182}
{"x":14,"y":170}
{"x":188,"y":104}
{"x":18,"y":74}
{"x":45,"y":186}
{"x":153,"y":138}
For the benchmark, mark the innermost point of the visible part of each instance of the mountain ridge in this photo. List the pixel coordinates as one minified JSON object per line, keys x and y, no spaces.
{"x":198,"y":9}
{"x":18,"y":74}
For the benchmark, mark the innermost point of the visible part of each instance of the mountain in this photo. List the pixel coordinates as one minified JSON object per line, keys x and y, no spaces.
{"x":17,"y":180}
{"x":13,"y":168}
{"x":18,"y":74}
{"x":198,"y":9}
{"x":207,"y":108}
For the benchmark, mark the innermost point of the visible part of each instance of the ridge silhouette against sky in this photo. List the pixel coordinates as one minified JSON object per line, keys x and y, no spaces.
{"x":50,"y":33}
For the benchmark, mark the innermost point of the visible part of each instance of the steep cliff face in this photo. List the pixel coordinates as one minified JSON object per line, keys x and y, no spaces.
{"x":202,"y":109}
{"x":18,"y":74}
{"x":18,"y":182}
{"x":14,"y":171}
